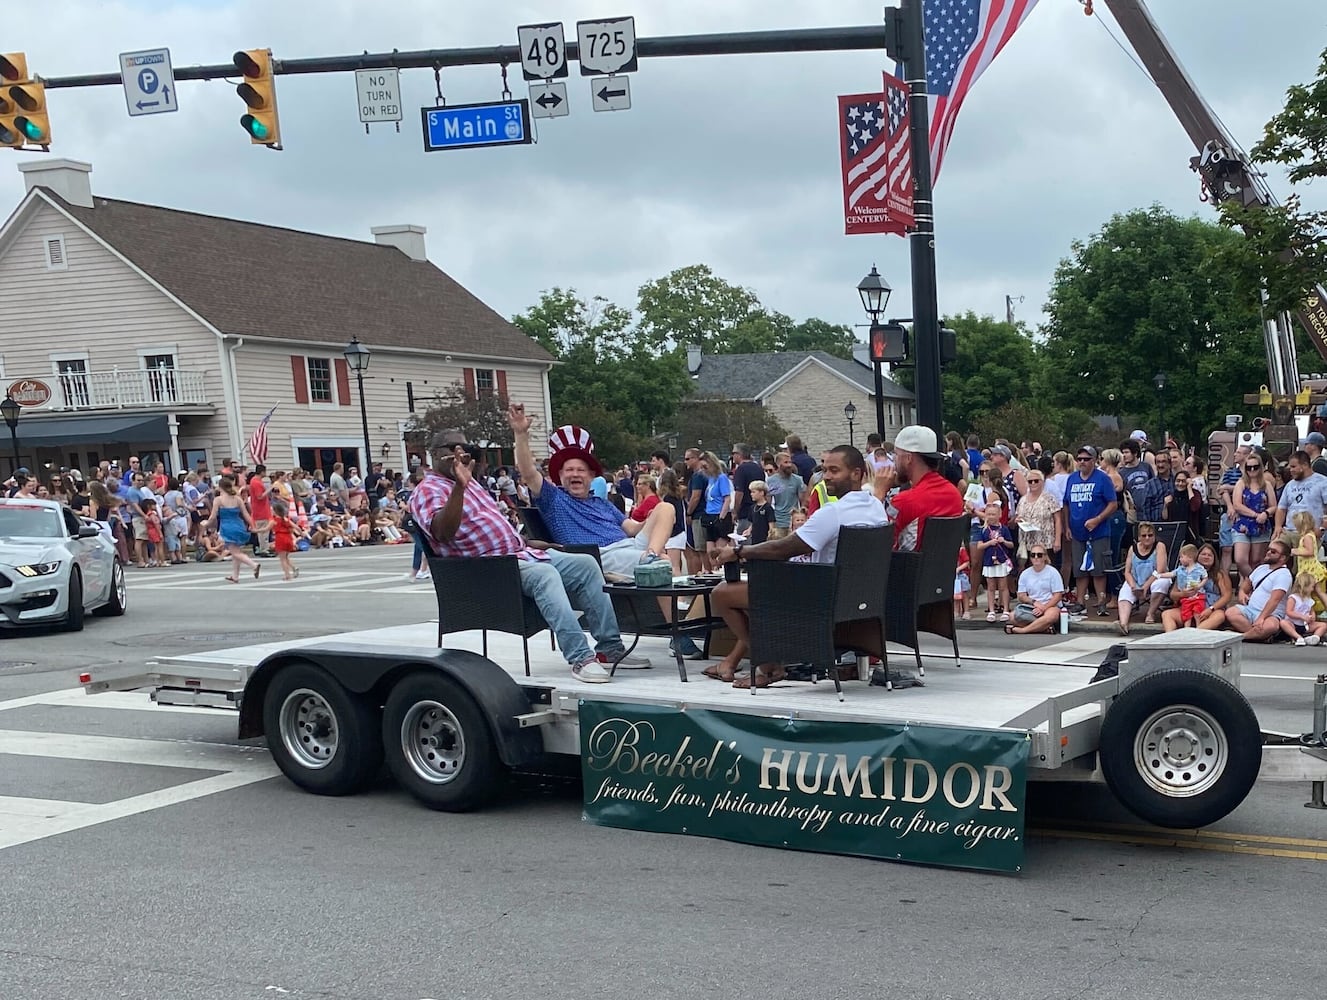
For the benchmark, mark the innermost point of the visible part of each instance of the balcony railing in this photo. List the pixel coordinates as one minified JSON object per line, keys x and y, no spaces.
{"x":127,"y":389}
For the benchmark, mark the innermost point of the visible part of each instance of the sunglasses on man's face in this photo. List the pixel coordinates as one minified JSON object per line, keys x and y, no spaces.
{"x":1085,"y":458}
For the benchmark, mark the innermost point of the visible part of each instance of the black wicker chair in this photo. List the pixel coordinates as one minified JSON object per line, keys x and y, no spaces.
{"x":810,"y":612}
{"x":483,"y":594}
{"x":921,"y":587}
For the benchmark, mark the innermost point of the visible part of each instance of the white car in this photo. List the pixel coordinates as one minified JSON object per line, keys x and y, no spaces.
{"x":55,"y":566}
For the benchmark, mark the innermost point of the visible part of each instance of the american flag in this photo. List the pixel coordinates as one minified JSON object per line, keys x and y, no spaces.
{"x":963,"y":37}
{"x":258,"y":442}
{"x":876,"y":159}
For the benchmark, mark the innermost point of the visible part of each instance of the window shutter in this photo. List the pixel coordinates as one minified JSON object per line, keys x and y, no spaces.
{"x":300,"y":375}
{"x":469,"y":383}
{"x":502,"y":384}
{"x":342,"y":382}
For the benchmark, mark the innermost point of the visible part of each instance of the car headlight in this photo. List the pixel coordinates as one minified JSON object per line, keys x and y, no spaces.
{"x":38,"y":569}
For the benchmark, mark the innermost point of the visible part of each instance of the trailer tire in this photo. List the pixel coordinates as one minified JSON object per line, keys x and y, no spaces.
{"x":438,"y":745}
{"x":324,"y":739}
{"x":1181,"y":748}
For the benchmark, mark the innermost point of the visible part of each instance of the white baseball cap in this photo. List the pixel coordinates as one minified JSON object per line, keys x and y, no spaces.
{"x":917,"y":439}
{"x":1138,"y":436}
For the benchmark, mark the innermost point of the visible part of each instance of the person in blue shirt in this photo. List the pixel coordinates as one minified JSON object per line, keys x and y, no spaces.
{"x":1089,"y":500}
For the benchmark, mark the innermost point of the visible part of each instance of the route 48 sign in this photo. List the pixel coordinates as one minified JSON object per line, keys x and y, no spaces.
{"x":543,"y":51}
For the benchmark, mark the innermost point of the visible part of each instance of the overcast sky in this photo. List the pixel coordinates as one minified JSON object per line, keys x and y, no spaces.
{"x":729,"y":161}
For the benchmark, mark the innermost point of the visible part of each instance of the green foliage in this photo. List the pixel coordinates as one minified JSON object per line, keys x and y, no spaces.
{"x":1286,"y":247}
{"x":718,"y":424}
{"x":1149,"y":293}
{"x":1022,"y":420}
{"x":996,"y":363}
{"x":614,"y":442}
{"x":692,"y":305}
{"x":480,"y":418}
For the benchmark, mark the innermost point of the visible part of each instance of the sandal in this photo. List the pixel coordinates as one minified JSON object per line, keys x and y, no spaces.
{"x":256,"y":570}
{"x":1123,"y":627}
{"x":762,"y":679}
{"x":231,"y":579}
{"x":1009,"y":630}
{"x":714,"y":673}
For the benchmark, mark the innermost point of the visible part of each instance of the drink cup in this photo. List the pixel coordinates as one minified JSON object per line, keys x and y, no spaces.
{"x":732,"y":571}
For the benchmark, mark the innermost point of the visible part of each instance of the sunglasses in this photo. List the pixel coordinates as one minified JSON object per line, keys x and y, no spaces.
{"x":1037,"y":555}
{"x":1085,"y":458}
{"x":1034,"y":479}
{"x":1252,"y":468}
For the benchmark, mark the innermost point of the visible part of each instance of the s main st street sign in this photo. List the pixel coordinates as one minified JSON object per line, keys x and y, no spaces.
{"x":465,"y":126}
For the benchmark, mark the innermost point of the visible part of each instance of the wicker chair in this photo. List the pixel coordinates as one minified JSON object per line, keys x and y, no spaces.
{"x":921,"y":587}
{"x":809,"y":612}
{"x":484,"y":594}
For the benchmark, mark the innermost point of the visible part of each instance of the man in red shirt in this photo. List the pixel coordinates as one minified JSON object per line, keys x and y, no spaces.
{"x":916,"y":458}
{"x":260,"y":509}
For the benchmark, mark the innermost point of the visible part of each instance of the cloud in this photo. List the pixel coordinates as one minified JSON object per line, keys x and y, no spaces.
{"x":730,"y":161}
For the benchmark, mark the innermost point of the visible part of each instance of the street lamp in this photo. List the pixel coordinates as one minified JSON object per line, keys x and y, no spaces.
{"x":357,"y":357}
{"x":1159,"y":380}
{"x":11,"y":410}
{"x":850,"y":411}
{"x":874,"y":291}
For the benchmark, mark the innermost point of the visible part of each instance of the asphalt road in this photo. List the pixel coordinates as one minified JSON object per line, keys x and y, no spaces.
{"x":187,"y":871}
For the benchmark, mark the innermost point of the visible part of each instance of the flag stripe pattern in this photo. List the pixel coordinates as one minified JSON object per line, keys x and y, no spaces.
{"x":963,"y":37}
{"x":258,"y":441}
{"x":877,"y":162}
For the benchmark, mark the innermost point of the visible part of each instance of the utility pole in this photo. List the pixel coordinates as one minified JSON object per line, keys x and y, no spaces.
{"x":907,"y":44}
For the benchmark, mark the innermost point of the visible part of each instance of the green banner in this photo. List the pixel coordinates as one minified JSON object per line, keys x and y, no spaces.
{"x":929,"y":794}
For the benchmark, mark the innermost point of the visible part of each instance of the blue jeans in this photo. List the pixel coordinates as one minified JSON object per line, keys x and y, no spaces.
{"x":418,"y":559}
{"x":568,"y":580}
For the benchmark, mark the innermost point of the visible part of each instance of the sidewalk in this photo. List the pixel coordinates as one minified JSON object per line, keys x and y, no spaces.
{"x":1089,"y":623}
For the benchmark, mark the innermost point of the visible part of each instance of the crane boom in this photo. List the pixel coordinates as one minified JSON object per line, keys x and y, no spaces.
{"x":1226,"y":174}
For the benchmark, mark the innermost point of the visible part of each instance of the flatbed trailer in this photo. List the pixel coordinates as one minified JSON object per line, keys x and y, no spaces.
{"x":1170,"y":734}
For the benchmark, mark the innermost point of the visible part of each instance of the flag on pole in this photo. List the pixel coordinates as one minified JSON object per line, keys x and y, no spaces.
{"x":963,"y":37}
{"x":258,"y":441}
{"x":876,"y":158}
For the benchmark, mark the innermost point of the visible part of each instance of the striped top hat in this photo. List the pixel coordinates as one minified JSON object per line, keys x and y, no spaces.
{"x":570,"y":441}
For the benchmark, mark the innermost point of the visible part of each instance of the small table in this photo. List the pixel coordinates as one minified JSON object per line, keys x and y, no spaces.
{"x":631,"y":594}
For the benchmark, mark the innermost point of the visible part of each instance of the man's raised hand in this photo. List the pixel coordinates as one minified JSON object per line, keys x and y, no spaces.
{"x":463,"y":471}
{"x":518,"y":419}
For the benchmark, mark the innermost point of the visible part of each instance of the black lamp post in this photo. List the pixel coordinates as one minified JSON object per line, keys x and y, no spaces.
{"x":357,"y":357}
{"x":850,"y":411}
{"x":11,"y":410}
{"x":1159,"y":380}
{"x":874,"y":291}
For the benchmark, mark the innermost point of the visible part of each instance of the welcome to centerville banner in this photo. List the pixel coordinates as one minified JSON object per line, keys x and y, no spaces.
{"x":929,"y":794}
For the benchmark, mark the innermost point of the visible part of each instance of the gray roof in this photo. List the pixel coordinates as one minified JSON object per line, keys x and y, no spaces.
{"x":749,"y":376}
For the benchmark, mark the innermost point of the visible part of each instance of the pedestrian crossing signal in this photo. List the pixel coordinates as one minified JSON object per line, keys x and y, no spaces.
{"x":23,"y":117}
{"x":889,"y":343}
{"x":258,"y":91}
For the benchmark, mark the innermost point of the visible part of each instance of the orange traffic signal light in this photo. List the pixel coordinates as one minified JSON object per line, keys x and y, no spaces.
{"x":259,"y":94}
{"x":23,"y":117}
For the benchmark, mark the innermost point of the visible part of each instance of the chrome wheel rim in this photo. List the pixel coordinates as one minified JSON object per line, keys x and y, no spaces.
{"x":118,"y":584}
{"x":433,"y":742}
{"x":309,"y":729}
{"x":1181,"y":751}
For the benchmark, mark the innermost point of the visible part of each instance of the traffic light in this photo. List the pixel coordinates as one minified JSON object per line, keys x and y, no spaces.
{"x":948,"y":345}
{"x":23,"y":117}
{"x":889,"y":343}
{"x":259,"y":93}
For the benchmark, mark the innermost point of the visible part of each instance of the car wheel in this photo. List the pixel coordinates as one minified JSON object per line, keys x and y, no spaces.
{"x":117,"y":601}
{"x":73,"y":619}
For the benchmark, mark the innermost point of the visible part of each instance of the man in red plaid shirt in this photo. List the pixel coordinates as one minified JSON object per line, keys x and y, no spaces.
{"x":460,"y":518}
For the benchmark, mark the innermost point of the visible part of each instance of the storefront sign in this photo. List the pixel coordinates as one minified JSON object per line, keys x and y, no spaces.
{"x":29,"y":392}
{"x":930,"y":794}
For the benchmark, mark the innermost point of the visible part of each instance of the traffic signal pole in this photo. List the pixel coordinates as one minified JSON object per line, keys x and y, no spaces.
{"x":859,"y":38}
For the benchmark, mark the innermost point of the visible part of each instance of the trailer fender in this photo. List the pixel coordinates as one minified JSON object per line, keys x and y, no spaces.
{"x":370,"y":674}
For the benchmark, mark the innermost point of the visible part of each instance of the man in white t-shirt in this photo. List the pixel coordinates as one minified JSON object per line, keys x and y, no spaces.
{"x":1262,"y":597}
{"x":1039,"y":591}
{"x":845,"y":471}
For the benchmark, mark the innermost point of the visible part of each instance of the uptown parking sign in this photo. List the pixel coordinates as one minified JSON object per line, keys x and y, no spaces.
{"x":464,"y":126}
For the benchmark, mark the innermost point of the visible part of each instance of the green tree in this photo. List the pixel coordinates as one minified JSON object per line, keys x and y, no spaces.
{"x":482,"y":418}
{"x":813,"y":334}
{"x":718,"y":424}
{"x":602,"y":364}
{"x":692,"y":305}
{"x":1286,"y":246}
{"x":996,"y":363}
{"x":1025,"y":420}
{"x":1148,"y":293}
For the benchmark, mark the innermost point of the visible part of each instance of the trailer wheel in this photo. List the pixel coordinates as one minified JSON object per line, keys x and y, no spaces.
{"x":1180,"y":748}
{"x":438,"y":745}
{"x":324,"y":739}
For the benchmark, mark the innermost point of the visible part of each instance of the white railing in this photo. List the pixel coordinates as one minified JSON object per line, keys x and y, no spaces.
{"x":122,"y":389}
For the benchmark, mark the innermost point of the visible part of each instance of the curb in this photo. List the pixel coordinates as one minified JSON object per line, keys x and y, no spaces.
{"x":1090,"y":625}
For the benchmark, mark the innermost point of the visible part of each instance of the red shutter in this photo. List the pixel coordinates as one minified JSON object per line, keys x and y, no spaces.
{"x":469,"y":383}
{"x":502,"y":384}
{"x":342,"y":382}
{"x":299,"y":373}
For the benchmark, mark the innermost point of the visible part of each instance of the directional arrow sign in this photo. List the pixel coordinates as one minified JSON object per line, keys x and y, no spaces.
{"x":549,"y":100}
{"x":149,"y":82}
{"x":611,"y":93}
